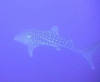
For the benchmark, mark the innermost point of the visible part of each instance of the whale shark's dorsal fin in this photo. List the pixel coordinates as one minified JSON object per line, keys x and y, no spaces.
{"x":31,"y":47}
{"x":54,"y":30}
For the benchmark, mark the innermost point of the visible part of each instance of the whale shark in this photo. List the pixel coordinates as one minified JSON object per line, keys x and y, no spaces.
{"x":34,"y":38}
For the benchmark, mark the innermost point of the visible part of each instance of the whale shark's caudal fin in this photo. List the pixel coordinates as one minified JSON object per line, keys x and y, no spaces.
{"x":89,"y":51}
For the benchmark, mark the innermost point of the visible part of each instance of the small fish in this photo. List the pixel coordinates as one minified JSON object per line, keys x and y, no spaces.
{"x":34,"y":38}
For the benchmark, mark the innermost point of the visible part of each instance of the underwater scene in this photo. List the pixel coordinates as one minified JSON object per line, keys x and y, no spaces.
{"x":50,"y":41}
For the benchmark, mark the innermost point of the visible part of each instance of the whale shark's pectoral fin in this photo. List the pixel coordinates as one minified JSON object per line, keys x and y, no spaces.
{"x":31,"y":47}
{"x":54,"y":30}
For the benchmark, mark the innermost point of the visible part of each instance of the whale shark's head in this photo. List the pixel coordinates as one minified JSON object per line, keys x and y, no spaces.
{"x":36,"y":36}
{"x":23,"y":37}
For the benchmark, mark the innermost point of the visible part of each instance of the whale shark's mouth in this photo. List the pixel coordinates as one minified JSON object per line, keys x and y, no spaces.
{"x":15,"y":38}
{"x":22,"y":38}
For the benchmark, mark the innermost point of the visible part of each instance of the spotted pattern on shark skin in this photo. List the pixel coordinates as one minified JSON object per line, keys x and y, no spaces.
{"x":34,"y":38}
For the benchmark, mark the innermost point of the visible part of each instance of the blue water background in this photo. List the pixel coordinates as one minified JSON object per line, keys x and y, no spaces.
{"x":77,"y":20}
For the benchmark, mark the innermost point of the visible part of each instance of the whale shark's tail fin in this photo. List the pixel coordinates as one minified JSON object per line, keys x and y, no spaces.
{"x":89,"y":51}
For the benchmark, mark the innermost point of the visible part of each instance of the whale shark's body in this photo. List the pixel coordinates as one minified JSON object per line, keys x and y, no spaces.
{"x":34,"y":38}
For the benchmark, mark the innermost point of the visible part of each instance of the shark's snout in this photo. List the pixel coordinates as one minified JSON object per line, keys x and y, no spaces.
{"x":16,"y":38}
{"x":22,"y":38}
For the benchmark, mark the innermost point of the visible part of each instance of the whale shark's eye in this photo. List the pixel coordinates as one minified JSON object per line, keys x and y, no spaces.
{"x":28,"y":36}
